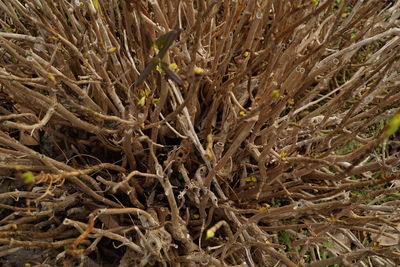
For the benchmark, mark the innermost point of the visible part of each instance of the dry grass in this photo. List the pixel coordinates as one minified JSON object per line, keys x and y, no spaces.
{"x":255,"y":133}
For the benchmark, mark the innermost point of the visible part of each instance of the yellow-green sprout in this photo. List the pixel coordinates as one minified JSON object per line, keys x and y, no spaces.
{"x":28,"y":177}
{"x":210,"y":234}
{"x":394,"y":124}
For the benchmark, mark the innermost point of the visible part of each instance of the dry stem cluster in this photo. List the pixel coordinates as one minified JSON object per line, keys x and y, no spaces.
{"x":257,"y":137}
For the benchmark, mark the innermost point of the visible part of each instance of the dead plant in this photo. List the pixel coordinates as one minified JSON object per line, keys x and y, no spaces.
{"x":200,"y":132}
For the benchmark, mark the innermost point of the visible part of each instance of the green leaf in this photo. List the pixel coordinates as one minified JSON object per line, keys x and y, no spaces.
{"x":51,"y":77}
{"x":276,"y":93}
{"x":180,"y":177}
{"x":111,"y":50}
{"x":173,"y":67}
{"x":394,"y":124}
{"x":28,"y":177}
{"x":348,"y":9}
{"x":328,"y":244}
{"x":142,"y":101}
{"x":96,"y":4}
{"x":155,"y":47}
{"x":314,"y":2}
{"x":160,"y":70}
{"x":198,"y":70}
{"x":251,"y":179}
{"x":210,"y":234}
{"x":145,"y":92}
{"x":264,"y":206}
{"x":284,"y":237}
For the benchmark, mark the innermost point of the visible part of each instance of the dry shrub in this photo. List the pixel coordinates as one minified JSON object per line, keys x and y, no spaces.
{"x":252,"y":133}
